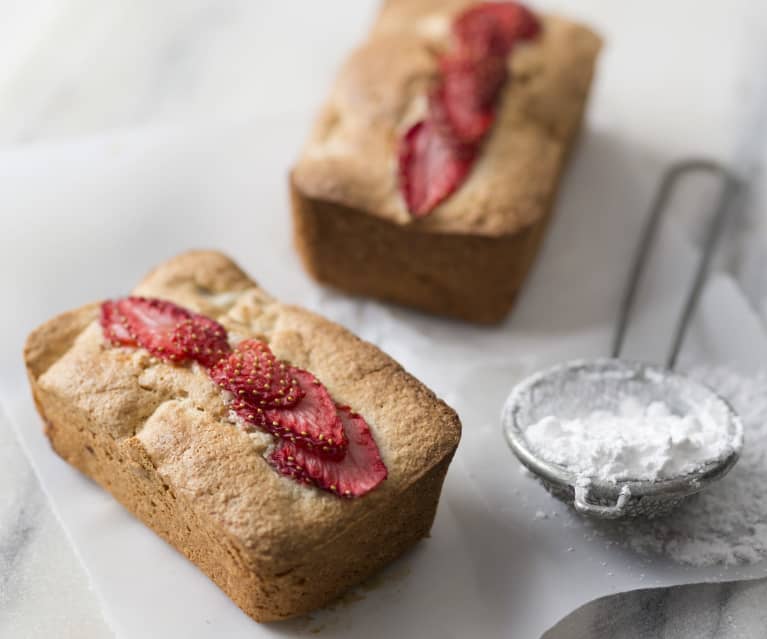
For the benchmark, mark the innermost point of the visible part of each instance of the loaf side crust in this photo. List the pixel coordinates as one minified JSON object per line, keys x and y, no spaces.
{"x":475,"y":278}
{"x":161,"y":439}
{"x":350,"y":157}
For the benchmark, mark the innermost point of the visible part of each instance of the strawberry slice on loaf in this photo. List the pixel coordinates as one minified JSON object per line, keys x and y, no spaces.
{"x":286,"y":401}
{"x":164,"y":329}
{"x":253,"y":374}
{"x":356,"y":473}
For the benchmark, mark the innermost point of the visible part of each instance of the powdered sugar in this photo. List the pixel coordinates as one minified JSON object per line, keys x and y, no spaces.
{"x":727,"y":523}
{"x":638,"y":441}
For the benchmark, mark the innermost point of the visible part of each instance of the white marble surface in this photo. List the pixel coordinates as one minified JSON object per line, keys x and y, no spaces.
{"x":730,"y":610}
{"x":44,"y":591}
{"x":74,"y":68}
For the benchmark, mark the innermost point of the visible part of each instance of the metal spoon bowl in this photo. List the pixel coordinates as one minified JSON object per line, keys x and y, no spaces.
{"x":576,"y":389}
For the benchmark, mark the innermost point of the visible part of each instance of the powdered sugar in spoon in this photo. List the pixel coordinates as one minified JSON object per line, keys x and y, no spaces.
{"x":575,"y":390}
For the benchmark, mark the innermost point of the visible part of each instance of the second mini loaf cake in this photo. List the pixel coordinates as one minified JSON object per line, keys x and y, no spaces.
{"x":466,"y":250}
{"x":128,"y":402}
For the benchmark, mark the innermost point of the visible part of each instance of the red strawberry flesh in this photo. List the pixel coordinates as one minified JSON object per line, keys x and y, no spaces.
{"x":320,"y":443}
{"x":114,"y":325}
{"x":253,"y":375}
{"x":283,"y":460}
{"x":463,"y":105}
{"x":166,"y":330}
{"x":431,"y":167}
{"x":312,"y":423}
{"x":436,"y":154}
{"x":202,"y":339}
{"x":476,"y":82}
{"x":252,"y":415}
{"x":151,"y":322}
{"x":359,"y":472}
{"x":493,"y":28}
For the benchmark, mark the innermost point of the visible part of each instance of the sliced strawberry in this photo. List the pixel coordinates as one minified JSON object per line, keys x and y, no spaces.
{"x":312,"y":423}
{"x":475,"y":81}
{"x":253,"y":375}
{"x":359,"y":472}
{"x":114,"y":325}
{"x":516,"y":20}
{"x":164,"y":329}
{"x":284,"y":461}
{"x":151,"y":323}
{"x":202,"y":339}
{"x":460,"y":122}
{"x":251,"y":414}
{"x":463,"y":104}
{"x":431,"y":167}
{"x":436,"y":154}
{"x":492,"y":28}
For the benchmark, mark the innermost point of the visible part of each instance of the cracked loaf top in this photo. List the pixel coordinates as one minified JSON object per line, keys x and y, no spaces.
{"x":178,"y":415}
{"x":351,"y":155}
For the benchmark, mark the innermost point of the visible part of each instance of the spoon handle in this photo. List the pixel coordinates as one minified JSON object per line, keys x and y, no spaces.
{"x":730,"y":191}
{"x":584,"y":503}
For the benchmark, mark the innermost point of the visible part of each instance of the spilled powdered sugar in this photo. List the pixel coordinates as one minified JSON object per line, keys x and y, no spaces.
{"x":727,"y":523}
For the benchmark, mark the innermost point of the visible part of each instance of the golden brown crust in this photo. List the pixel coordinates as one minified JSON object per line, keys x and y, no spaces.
{"x":160,"y":438}
{"x":350,"y":158}
{"x":470,"y":277}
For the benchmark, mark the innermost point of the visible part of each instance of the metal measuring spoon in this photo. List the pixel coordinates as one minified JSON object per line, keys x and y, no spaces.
{"x":578,"y":388}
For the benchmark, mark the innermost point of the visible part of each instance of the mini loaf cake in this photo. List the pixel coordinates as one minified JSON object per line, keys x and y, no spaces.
{"x":285,"y":457}
{"x":429,"y":177}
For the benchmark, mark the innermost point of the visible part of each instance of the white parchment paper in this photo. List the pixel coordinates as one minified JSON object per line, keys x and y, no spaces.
{"x":504,"y":558}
